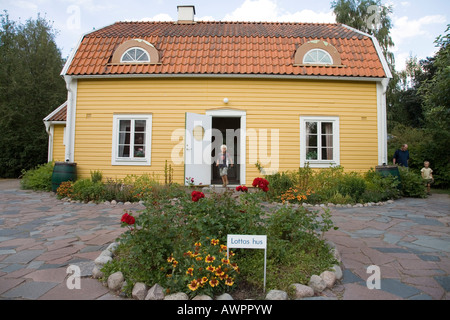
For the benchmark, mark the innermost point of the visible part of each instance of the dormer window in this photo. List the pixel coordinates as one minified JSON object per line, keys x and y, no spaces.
{"x":317,"y":56}
{"x":317,"y":52}
{"x":135,"y":51}
{"x":135,"y":55}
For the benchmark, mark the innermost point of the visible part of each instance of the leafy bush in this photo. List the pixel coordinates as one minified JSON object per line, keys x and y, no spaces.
{"x":167,"y":229}
{"x":412,"y":184}
{"x":39,"y":178}
{"x":87,"y":190}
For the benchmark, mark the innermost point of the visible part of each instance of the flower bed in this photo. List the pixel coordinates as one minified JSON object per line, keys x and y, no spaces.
{"x":163,"y":244}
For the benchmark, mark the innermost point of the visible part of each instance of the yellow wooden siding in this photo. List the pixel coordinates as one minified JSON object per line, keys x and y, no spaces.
{"x":269,"y":104}
{"x":59,"y":149}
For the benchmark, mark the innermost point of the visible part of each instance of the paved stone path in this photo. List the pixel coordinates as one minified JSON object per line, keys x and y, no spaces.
{"x":409,"y":240}
{"x":41,"y":236}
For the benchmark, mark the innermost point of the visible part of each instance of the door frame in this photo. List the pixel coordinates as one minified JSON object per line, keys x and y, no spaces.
{"x":230,"y":113}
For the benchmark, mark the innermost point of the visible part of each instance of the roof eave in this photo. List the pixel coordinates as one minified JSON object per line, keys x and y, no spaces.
{"x":230,"y":76}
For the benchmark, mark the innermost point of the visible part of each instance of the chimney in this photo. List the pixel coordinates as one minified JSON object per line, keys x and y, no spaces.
{"x":186,"y":14}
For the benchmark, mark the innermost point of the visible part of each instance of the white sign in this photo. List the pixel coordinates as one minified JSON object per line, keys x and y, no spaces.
{"x":244,"y":241}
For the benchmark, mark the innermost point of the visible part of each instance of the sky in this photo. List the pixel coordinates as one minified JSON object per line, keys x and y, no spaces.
{"x":416,"y":24}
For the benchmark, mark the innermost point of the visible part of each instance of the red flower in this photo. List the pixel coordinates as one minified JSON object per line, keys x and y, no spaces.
{"x":128,"y":219}
{"x":242,"y":188}
{"x":261,"y":183}
{"x":197,"y":195}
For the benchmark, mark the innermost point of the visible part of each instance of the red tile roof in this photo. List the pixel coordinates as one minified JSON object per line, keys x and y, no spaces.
{"x":215,"y":48}
{"x":59,"y":114}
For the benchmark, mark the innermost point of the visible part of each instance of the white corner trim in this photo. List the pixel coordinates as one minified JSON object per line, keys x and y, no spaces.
{"x":50,"y":132}
{"x":382,"y":122}
{"x":384,"y":63}
{"x":71,"y":85}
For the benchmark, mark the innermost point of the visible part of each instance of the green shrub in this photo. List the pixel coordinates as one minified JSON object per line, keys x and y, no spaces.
{"x":86,"y":190}
{"x":352,"y":185}
{"x":412,"y":183}
{"x":96,"y":176}
{"x":168,"y":228}
{"x":39,"y":178}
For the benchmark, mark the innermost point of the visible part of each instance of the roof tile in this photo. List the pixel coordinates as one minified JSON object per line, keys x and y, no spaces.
{"x":227,"y":48}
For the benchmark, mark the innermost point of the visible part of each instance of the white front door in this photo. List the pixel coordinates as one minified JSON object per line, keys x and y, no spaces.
{"x":197,"y":159}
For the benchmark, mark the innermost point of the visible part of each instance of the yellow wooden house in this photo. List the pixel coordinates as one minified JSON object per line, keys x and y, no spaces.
{"x":143,"y":94}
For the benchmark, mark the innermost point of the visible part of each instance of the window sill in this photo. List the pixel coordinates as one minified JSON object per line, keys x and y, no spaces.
{"x":134,"y":162}
{"x":320,"y":164}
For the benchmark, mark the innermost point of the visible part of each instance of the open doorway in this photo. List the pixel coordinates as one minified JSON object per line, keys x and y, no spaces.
{"x":229,"y":128}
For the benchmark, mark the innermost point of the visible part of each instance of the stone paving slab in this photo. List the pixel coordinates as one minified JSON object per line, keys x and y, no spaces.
{"x":41,"y":236}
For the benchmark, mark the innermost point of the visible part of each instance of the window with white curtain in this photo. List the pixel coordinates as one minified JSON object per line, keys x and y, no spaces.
{"x":319,"y":141}
{"x":131,"y":139}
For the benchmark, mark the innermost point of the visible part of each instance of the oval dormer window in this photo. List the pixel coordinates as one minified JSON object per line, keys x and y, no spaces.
{"x":135,"y":55}
{"x":317,"y":56}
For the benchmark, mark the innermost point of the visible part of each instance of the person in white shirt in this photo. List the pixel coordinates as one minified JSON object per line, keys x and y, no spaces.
{"x":427,"y":175}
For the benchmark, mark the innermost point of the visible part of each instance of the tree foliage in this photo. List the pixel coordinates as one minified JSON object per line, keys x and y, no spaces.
{"x":30,"y":88}
{"x":369,"y":16}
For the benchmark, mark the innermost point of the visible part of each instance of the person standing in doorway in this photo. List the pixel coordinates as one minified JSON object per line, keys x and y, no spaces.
{"x":401,"y":156}
{"x":223,"y":161}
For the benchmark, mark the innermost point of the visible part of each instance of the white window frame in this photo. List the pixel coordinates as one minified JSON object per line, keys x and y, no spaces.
{"x":131,"y":161}
{"x":317,"y":49}
{"x":336,"y":139}
{"x":135,"y":61}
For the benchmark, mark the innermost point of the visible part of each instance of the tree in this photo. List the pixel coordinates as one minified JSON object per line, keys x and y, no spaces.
{"x":30,"y":88}
{"x":369,"y":16}
{"x":436,"y":108}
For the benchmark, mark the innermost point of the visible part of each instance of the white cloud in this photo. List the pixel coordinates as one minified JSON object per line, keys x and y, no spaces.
{"x":405,"y":27}
{"x":269,"y":10}
{"x":158,"y":17}
{"x":26,"y":5}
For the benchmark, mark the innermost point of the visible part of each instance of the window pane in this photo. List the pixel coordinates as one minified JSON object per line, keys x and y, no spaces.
{"x":139,"y":151}
{"x":327,"y":141}
{"x":139,"y":138}
{"x":311,"y":154}
{"x":312,"y":141}
{"x":124,"y":138}
{"x":311,"y":128}
{"x":139,"y":125}
{"x":124,"y":151}
{"x":125,"y":125}
{"x":327,"y":153}
{"x":327,"y":128}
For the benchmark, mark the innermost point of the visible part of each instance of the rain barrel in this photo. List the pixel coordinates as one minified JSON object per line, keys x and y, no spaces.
{"x":389,"y":171}
{"x":63,"y":171}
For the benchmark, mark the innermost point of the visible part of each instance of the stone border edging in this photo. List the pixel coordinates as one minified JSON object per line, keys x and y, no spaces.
{"x":116,"y":282}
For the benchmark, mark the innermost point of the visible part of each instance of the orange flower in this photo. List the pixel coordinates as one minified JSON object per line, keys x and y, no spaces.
{"x":209,"y":258}
{"x":193,"y":285}
{"x":219,"y":272}
{"x":229,"y":281}
{"x":204,"y":280}
{"x":174,"y":263}
{"x":190,"y":271}
{"x":198,"y":244}
{"x":225,"y":261}
{"x":214,"y":242}
{"x":170,"y":259}
{"x":213,"y":282}
{"x":211,"y":268}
